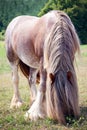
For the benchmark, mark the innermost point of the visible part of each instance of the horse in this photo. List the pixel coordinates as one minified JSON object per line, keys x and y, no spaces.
{"x":44,"y":49}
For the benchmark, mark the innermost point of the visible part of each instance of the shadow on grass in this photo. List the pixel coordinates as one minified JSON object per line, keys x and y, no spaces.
{"x":83,"y":110}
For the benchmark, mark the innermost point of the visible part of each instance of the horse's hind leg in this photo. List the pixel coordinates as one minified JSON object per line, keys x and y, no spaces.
{"x":16,"y":100}
{"x":32,"y":83}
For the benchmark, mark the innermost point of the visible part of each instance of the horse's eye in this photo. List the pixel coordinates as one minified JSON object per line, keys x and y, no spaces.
{"x":69,"y":74}
{"x":52,"y":77}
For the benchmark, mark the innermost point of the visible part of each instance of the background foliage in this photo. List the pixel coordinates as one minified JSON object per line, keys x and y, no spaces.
{"x":12,"y":8}
{"x":76,"y":9}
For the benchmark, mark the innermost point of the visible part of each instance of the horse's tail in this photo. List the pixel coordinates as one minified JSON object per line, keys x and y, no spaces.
{"x":24,"y":69}
{"x":59,"y":52}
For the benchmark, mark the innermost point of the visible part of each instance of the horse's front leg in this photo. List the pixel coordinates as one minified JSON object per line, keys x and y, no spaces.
{"x":38,"y":108}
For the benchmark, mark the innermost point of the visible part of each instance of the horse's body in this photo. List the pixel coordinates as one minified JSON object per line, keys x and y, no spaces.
{"x":28,"y":45}
{"x":32,"y":31}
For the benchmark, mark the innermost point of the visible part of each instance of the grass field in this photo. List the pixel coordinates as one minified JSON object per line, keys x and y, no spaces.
{"x":14,"y":119}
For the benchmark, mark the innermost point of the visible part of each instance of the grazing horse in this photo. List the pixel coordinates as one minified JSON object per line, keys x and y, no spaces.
{"x":45,"y":46}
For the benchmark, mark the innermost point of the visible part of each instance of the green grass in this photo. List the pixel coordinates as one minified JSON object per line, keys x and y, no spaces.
{"x":14,"y":119}
{"x":4,"y":66}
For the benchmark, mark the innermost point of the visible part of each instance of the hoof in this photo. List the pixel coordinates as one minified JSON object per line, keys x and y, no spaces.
{"x":16,"y":105}
{"x":34,"y":113}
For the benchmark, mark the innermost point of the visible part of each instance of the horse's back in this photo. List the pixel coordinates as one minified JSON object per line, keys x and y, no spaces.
{"x":16,"y":22}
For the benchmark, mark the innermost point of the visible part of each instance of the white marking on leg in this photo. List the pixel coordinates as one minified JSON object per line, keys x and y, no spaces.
{"x":36,"y":111}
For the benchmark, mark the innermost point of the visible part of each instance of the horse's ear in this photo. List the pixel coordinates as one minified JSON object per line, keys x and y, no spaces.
{"x":52,"y":77}
{"x":69,"y":75}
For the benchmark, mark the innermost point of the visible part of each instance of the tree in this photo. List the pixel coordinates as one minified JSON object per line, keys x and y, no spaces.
{"x":12,"y":8}
{"x":76,"y":9}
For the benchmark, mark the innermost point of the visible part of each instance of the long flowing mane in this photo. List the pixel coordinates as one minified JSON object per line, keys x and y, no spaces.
{"x":60,"y":48}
